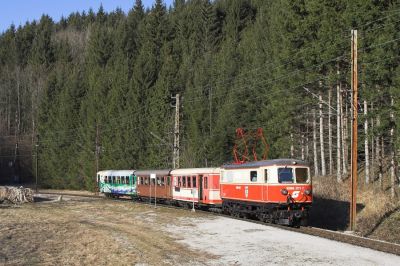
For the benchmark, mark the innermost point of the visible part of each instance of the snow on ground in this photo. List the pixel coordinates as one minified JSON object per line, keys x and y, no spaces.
{"x":243,"y":243}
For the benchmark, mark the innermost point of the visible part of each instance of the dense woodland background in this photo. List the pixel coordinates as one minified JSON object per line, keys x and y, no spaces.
{"x":101,"y":83}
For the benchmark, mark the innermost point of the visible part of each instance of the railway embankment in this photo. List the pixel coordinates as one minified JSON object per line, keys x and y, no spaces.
{"x":378,"y":214}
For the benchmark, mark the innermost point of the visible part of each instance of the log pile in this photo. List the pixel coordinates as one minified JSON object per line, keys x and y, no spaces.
{"x":16,"y":195}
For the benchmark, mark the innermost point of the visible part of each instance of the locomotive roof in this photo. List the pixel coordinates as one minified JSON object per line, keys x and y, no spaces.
{"x":189,"y":171}
{"x":146,"y":173}
{"x":266,"y":163}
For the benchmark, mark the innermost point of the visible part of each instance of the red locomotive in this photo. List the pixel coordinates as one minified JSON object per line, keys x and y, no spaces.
{"x":277,"y":191}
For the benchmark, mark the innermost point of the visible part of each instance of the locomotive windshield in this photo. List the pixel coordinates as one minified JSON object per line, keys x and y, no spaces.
{"x":301,"y":175}
{"x":285,"y":175}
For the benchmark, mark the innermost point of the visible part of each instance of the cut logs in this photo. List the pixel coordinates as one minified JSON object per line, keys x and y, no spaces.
{"x":16,"y":195}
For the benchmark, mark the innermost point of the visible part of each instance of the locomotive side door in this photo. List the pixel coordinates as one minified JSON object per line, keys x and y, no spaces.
{"x":200,"y":188}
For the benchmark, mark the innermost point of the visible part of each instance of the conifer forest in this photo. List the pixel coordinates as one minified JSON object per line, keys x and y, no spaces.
{"x":96,"y":90}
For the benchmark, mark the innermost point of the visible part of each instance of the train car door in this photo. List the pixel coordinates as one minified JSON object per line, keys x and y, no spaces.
{"x":168,"y":187}
{"x":200,"y":188}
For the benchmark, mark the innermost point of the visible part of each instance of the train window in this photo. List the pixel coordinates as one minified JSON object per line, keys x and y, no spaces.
{"x":285,"y":175}
{"x":194,"y":181}
{"x":183,"y":181}
{"x":162,"y":181}
{"x":205,"y":182}
{"x":266,"y":175}
{"x":179,"y":181}
{"x":105,"y":179}
{"x":253,"y":176}
{"x":146,"y":180}
{"x":168,"y":180}
{"x":301,"y":175}
{"x":113,"y":179}
{"x":189,"y":184}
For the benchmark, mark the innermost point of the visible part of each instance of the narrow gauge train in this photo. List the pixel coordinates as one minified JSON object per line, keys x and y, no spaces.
{"x":277,"y":191}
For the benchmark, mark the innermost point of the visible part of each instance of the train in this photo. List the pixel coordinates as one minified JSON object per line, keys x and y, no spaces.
{"x":276,"y":191}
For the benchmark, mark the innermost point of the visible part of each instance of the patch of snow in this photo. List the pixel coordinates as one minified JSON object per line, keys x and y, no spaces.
{"x":244,"y":243}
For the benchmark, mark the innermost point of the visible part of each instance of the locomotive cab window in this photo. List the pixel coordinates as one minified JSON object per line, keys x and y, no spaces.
{"x":285,"y":175}
{"x":301,"y":175}
{"x":253,"y":176}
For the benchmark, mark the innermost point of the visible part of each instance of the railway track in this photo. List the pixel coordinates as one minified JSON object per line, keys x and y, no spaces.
{"x":328,"y":234}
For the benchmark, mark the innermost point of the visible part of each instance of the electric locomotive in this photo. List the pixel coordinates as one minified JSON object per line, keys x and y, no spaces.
{"x":277,"y":191}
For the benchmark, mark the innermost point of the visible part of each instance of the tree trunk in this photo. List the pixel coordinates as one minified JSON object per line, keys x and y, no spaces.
{"x":321,"y":136}
{"x":344,"y":136}
{"x":307,"y":134}
{"x":392,"y":152}
{"x":338,"y":132}
{"x":372,"y":171}
{"x":382,"y":158}
{"x":316,"y":171}
{"x":302,"y":147}
{"x":18,"y":102}
{"x":378,"y":153}
{"x":367,"y":177}
{"x":330,"y":131}
{"x":291,"y":146}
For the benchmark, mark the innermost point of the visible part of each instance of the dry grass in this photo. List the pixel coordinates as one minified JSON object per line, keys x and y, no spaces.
{"x":374,"y":205}
{"x":92,"y":232}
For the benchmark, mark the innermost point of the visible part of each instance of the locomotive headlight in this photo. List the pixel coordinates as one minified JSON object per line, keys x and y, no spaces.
{"x":307,"y":192}
{"x":284,"y":191}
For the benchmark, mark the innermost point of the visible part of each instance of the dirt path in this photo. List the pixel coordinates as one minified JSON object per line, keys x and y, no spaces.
{"x":93,"y":232}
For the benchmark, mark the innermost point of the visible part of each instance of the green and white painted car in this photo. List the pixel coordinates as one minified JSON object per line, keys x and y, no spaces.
{"x":115,"y":183}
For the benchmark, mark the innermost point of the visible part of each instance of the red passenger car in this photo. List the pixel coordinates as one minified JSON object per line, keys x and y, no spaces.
{"x":198,"y":185}
{"x":277,"y":191}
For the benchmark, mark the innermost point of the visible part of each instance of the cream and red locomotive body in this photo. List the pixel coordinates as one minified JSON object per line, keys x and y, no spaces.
{"x":277,"y":191}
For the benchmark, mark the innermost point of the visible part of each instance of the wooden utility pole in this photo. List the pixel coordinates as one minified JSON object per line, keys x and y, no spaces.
{"x":354,"y":154}
{"x":175,"y":158}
